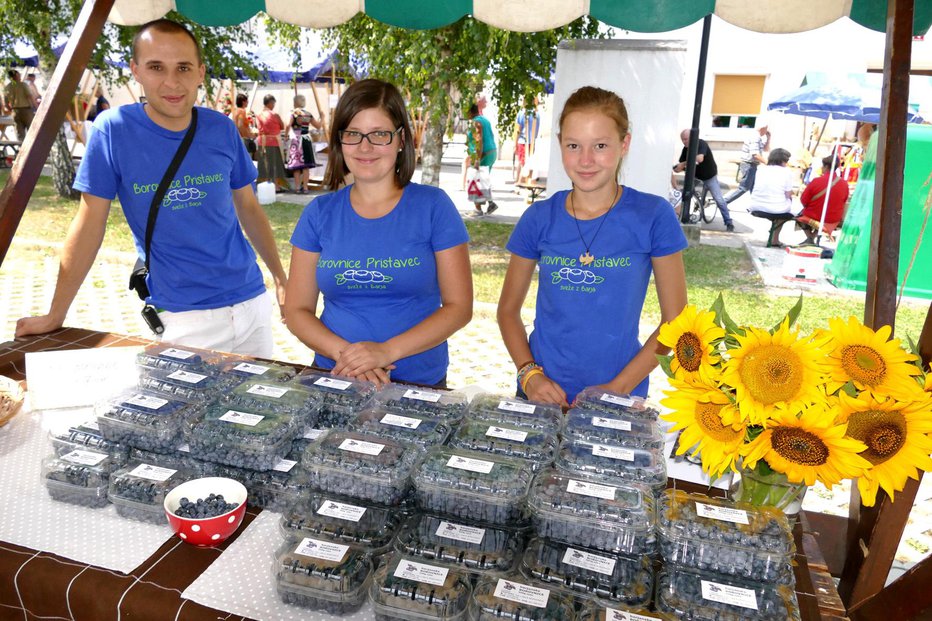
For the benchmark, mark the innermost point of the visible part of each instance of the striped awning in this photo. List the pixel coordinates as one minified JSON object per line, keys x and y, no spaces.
{"x":531,"y":15}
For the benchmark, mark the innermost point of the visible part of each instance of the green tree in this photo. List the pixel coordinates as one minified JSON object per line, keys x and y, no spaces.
{"x":40,"y":23}
{"x":442,"y":69}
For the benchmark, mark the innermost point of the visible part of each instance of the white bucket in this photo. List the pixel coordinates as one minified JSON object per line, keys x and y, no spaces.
{"x":802,"y":263}
{"x":266,"y":193}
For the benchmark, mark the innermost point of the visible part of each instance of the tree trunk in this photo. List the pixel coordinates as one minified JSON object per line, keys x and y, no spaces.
{"x":432,"y":149}
{"x":63,"y":167}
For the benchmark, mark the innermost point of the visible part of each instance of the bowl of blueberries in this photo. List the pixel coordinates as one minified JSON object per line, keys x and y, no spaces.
{"x":206,"y":511}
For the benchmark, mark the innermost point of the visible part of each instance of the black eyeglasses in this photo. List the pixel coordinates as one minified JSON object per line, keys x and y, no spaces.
{"x":378,"y":138}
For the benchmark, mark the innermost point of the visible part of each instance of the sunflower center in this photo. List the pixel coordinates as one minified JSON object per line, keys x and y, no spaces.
{"x":689,"y":351}
{"x":799,"y":446}
{"x":884,"y":433}
{"x":863,"y":364}
{"x":709,"y":419}
{"x":772,"y":373}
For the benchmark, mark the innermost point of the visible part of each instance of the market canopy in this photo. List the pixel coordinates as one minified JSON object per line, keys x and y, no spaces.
{"x":530,"y":15}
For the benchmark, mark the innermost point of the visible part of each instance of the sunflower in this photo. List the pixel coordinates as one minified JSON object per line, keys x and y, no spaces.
{"x":692,"y":336}
{"x":697,"y":410}
{"x":807,"y":447}
{"x":895,"y":433}
{"x":871,"y":360}
{"x":772,"y":372}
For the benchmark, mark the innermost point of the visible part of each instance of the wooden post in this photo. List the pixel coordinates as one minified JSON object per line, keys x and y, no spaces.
{"x":49,"y":117}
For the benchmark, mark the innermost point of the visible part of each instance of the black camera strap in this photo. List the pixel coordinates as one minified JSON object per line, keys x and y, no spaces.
{"x":167,"y":179}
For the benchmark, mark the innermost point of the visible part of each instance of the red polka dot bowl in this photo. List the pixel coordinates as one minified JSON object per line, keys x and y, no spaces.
{"x":206,"y":531}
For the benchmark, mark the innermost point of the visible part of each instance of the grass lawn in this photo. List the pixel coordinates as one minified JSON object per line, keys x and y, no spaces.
{"x":709,"y":269}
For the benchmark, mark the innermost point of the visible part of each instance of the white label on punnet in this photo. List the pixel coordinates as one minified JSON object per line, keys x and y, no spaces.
{"x":468,"y":463}
{"x":361,"y":446}
{"x":612,"y":452}
{"x":609,"y":423}
{"x":460,"y":532}
{"x":512,"y":406}
{"x":313,"y":434}
{"x":334,"y":509}
{"x":85,"y":458}
{"x":252,"y":369}
{"x":591,"y":489}
{"x":187,"y":377}
{"x":727,"y":594}
{"x":177,"y":354}
{"x":725,"y":514}
{"x":91,"y":424}
{"x":522,"y":593}
{"x":145,"y":401}
{"x":185,"y":448}
{"x":616,"y":400}
{"x":329,"y":382}
{"x":620,"y":615}
{"x":422,"y":395}
{"x":400,"y":421}
{"x":325,"y":550}
{"x":592,"y":562}
{"x":284,"y":465}
{"x":506,"y":434}
{"x":275,"y":392}
{"x":153,"y":473}
{"x":241,"y":418}
{"x":420,"y":572}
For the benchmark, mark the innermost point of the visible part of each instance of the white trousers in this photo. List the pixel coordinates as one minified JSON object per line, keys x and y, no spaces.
{"x":244,"y":328}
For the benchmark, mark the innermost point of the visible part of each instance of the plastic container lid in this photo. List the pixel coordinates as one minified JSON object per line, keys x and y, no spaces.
{"x":336,"y":389}
{"x":477,"y":548}
{"x":608,"y":577}
{"x":614,"y":461}
{"x":319,"y":574}
{"x":341,"y":520}
{"x":79,"y":477}
{"x":612,"y":428}
{"x":731,"y":538}
{"x":192,"y":386}
{"x":143,"y":419}
{"x":593,"y":513}
{"x":256,"y":369}
{"x":174,"y":358}
{"x":410,"y":427}
{"x":514,"y":599}
{"x":446,"y":404}
{"x":515,"y":411}
{"x":266,"y":397}
{"x":240,"y":438}
{"x":473,"y":485}
{"x":275,"y":489}
{"x":697,"y":596}
{"x":537,"y":447}
{"x":595,"y":398}
{"x":361,"y":465}
{"x":599,"y":612}
{"x":409,"y":588}
{"x":138,"y":490}
{"x":84,"y":437}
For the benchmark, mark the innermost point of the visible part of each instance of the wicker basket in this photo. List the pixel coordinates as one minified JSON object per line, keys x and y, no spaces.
{"x":11,"y":398}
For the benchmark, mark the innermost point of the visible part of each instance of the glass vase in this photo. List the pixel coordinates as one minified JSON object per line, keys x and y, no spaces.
{"x":762,"y":486}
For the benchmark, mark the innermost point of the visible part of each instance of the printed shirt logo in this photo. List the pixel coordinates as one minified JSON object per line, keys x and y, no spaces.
{"x":173,"y":198}
{"x":576,"y":276}
{"x":362,"y":276}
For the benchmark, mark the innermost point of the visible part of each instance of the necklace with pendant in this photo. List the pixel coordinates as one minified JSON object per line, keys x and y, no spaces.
{"x":586,"y":258}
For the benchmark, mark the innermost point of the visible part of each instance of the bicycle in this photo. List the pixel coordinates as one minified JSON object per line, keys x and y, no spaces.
{"x":701,"y":207}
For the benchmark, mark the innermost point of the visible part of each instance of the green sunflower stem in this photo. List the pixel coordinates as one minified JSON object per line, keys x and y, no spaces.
{"x":762,"y":486}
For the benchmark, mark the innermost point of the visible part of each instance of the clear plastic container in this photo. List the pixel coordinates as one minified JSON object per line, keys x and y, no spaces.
{"x":256,"y":370}
{"x":477,"y":548}
{"x":170,"y":357}
{"x":599,"y":612}
{"x":341,"y":398}
{"x":597,"y":399}
{"x":307,"y":438}
{"x":85,"y":436}
{"x":178,"y":459}
{"x":361,"y":466}
{"x":79,"y":477}
{"x":514,"y":599}
{"x":625,"y":463}
{"x":606,"y":428}
{"x":715,"y":534}
{"x":538,"y":448}
{"x":473,"y":486}
{"x":515,"y":411}
{"x":275,"y":489}
{"x":192,"y":386}
{"x":403,"y":399}
{"x":245,"y":439}
{"x":611,"y":578}
{"x":341,"y":520}
{"x":594,"y":514}
{"x":265,"y":397}
{"x":138,"y":490}
{"x":322,"y":575}
{"x":144,"y":419}
{"x":696,"y":596}
{"x":408,"y":588}
{"x":413,"y":428}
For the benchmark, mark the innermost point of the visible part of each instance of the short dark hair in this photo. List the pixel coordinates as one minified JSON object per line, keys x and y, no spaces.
{"x":365,"y":95}
{"x":268,"y":99}
{"x":827,"y":162}
{"x":241,"y":100}
{"x":778,"y":157}
{"x":12,"y":74}
{"x":165,"y":26}
{"x":473,"y":111}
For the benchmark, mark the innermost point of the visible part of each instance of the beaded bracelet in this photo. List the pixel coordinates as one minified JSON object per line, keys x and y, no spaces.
{"x":526,"y":372}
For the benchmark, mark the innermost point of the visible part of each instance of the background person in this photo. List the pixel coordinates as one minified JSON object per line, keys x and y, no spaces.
{"x":813,"y":200}
{"x":707,"y":172}
{"x":270,"y":126}
{"x":483,"y":151}
{"x":19,"y":102}
{"x":389,"y":256}
{"x":773,"y":193}
{"x":241,"y":119}
{"x":527,"y":125}
{"x":203,"y":273}
{"x":595,"y":247}
{"x":301,"y":149}
{"x":752,"y":155}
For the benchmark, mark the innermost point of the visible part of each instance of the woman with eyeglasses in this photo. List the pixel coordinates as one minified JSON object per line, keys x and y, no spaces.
{"x":389,"y":256}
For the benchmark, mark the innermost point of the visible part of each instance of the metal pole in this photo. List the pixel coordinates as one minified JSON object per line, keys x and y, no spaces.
{"x":693,"y":148}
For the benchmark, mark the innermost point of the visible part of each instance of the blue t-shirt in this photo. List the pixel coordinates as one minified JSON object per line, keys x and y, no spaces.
{"x":200,"y":257}
{"x":586,"y":328}
{"x":379,"y":276}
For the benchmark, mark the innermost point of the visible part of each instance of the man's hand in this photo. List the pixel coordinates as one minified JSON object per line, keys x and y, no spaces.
{"x":27,"y":326}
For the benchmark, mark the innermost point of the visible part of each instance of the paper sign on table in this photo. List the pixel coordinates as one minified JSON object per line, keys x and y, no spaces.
{"x":79,"y":377}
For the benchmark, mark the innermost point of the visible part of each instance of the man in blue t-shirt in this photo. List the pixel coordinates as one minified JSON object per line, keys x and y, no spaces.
{"x":203,"y":277}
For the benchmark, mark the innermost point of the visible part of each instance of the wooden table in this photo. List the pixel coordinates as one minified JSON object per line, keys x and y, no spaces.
{"x":41,"y":585}
{"x":535,"y":188}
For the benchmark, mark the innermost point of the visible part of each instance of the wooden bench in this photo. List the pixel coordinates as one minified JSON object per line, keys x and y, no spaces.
{"x":534,"y":188}
{"x":777,"y":220}
{"x":9,"y":149}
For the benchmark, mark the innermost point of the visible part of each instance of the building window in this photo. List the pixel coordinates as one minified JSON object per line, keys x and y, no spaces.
{"x":737,"y":100}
